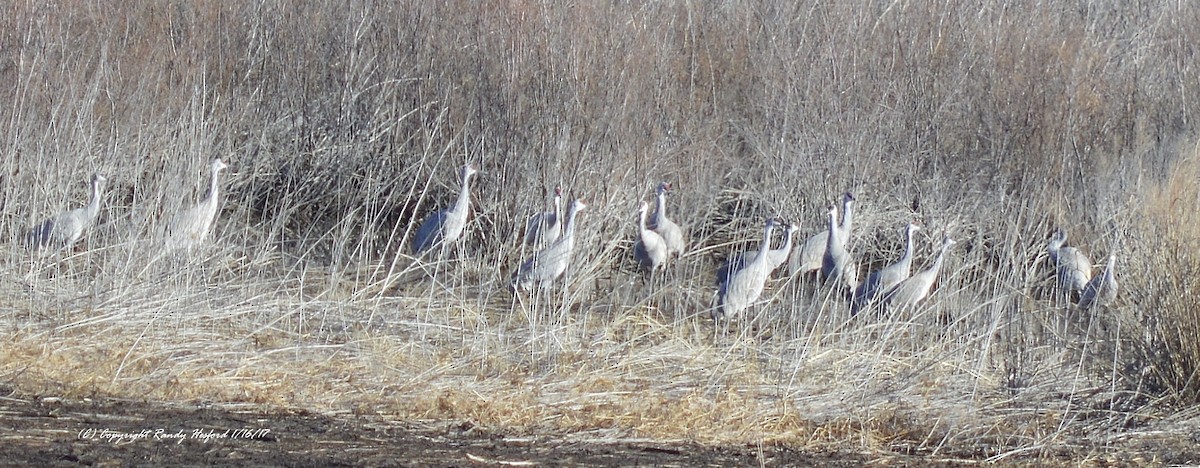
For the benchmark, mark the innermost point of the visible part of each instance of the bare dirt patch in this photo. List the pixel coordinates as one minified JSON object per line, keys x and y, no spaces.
{"x":106,"y":432}
{"x":41,"y":431}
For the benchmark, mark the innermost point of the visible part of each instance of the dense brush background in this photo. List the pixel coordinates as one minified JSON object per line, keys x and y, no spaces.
{"x":344,"y":124}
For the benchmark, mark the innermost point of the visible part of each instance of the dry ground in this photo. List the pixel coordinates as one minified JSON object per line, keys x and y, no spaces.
{"x":405,"y":379}
{"x":57,"y":432}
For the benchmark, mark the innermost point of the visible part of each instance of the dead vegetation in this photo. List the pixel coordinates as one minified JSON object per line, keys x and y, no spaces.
{"x":343,"y":125}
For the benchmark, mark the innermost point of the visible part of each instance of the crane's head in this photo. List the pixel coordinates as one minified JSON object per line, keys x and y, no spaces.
{"x":848,"y":198}
{"x":643,"y":208}
{"x":947,"y":242}
{"x":663,"y":187}
{"x":1058,"y":239}
{"x":557,"y":191}
{"x":468,"y":170}
{"x":912,"y":228}
{"x":578,"y":205}
{"x":217,"y":165}
{"x":98,"y":179}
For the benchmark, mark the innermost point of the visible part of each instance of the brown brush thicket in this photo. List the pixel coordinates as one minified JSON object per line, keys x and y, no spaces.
{"x":344,"y":124}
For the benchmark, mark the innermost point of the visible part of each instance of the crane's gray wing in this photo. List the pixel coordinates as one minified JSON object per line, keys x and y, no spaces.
{"x":430,"y":232}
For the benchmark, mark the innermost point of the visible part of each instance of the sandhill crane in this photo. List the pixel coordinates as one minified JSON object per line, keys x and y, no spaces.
{"x":444,"y":227}
{"x":666,"y":228}
{"x":743,"y":287}
{"x":1102,"y":289}
{"x":775,"y":257}
{"x":650,"y":250}
{"x":189,"y":228}
{"x":64,"y":229}
{"x":812,"y":252}
{"x":885,"y":279}
{"x":1072,"y":268}
{"x":550,"y":263}
{"x":912,"y":290}
{"x":546,"y":227}
{"x":837,"y":266}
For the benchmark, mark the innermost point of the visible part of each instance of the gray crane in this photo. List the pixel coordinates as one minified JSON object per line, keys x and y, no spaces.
{"x":548,"y":264}
{"x":776,"y":257}
{"x":812,"y":252}
{"x":1101,"y":290}
{"x":64,"y":229}
{"x":916,"y":288}
{"x":886,"y":278}
{"x":544,"y":228}
{"x":444,"y":227}
{"x":744,"y":286}
{"x":189,"y":228}
{"x":837,"y":266}
{"x":650,"y":250}
{"x":666,"y":228}
{"x":1072,"y":268}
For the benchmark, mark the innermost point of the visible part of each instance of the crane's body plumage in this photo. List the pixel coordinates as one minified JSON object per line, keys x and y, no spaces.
{"x":544,"y":228}
{"x":189,"y":228}
{"x":886,"y":278}
{"x":444,"y":227}
{"x":775,"y":257}
{"x":650,"y":250}
{"x":744,"y":286}
{"x":916,"y":288}
{"x":1102,"y":289}
{"x":548,"y":264}
{"x":837,"y":266}
{"x":62,"y":231}
{"x":671,"y":233}
{"x":811,"y":253}
{"x":1072,"y":268}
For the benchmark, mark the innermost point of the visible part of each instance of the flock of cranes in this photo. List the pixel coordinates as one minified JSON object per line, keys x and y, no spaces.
{"x":186,"y":229}
{"x":742,"y":278}
{"x":740,"y":281}
{"x":661,"y":238}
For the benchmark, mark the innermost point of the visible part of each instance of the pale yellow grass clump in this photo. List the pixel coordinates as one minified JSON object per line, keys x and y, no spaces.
{"x":1170,"y":281}
{"x":615,"y":377}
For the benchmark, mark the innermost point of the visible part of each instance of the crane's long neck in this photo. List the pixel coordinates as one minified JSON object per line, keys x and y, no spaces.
{"x":787,"y":243}
{"x":833,"y":230}
{"x":211,"y":199}
{"x":93,"y":207}
{"x":660,"y":204}
{"x":569,"y":232}
{"x":642,"y":221}
{"x":906,"y":260}
{"x":464,"y":197}
{"x":763,"y":246}
{"x":932,"y":272}
{"x":557,"y":208}
{"x":847,"y":217}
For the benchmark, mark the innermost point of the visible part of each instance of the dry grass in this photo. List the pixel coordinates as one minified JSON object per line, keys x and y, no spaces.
{"x":343,"y":125}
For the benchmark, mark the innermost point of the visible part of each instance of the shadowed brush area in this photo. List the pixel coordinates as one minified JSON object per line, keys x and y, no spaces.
{"x":345,"y":125}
